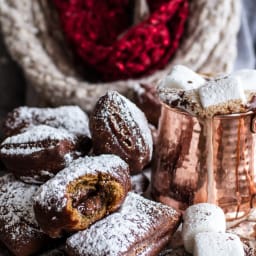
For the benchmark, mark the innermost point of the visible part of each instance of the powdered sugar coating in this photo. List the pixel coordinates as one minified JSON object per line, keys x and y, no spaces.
{"x":129,"y":123}
{"x":37,"y":178}
{"x":29,"y":141}
{"x":141,"y":121}
{"x":70,"y":118}
{"x":16,"y":209}
{"x":52,"y":194}
{"x":120,"y":231}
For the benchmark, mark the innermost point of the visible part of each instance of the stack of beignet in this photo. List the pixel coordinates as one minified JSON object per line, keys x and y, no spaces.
{"x":58,"y":186}
{"x":41,"y":141}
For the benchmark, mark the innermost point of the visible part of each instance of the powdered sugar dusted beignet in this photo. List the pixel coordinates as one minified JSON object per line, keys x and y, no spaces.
{"x":140,"y":227}
{"x":119,"y":127}
{"x":218,"y":244}
{"x":37,"y":154}
{"x":70,"y":118}
{"x":81,"y":194}
{"x":202,"y":217}
{"x":19,"y":230}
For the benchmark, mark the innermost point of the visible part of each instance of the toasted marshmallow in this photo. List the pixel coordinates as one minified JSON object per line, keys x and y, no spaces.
{"x":181,"y":77}
{"x":202,"y":217}
{"x":221,"y":91}
{"x":217,"y":244}
{"x":247,"y":77}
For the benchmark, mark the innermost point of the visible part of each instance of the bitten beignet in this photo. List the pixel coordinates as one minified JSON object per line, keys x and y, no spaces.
{"x":140,"y":227}
{"x":81,"y":194}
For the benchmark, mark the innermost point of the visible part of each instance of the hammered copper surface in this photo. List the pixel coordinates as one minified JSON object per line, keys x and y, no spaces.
{"x":205,"y":160}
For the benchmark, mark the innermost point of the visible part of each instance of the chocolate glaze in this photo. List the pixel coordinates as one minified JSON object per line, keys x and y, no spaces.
{"x":88,"y":202}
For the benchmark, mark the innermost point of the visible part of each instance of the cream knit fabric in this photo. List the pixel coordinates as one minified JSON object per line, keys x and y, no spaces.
{"x":209,"y":45}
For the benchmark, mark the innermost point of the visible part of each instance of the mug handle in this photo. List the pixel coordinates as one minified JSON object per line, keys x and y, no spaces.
{"x":253,"y":124}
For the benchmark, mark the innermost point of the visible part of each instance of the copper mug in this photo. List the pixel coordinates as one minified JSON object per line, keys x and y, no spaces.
{"x":206,"y":160}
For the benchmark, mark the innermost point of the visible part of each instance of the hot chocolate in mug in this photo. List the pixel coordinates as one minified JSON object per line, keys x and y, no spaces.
{"x":207,"y":142}
{"x":206,"y":160}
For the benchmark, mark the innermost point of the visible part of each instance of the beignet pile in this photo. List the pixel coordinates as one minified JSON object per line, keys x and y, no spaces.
{"x":68,"y":181}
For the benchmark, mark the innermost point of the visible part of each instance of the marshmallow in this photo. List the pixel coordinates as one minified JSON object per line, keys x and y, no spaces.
{"x":221,"y":91}
{"x":217,"y":244}
{"x":181,"y":77}
{"x":202,"y":217}
{"x":247,"y":77}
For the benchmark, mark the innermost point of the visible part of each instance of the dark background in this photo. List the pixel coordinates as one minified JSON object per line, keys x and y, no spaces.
{"x":12,"y":83}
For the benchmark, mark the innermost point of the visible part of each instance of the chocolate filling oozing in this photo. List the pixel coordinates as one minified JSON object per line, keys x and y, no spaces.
{"x":89,"y":201}
{"x":92,"y":199}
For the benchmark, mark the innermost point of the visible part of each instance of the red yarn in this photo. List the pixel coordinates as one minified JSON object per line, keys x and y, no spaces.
{"x":102,"y":35}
